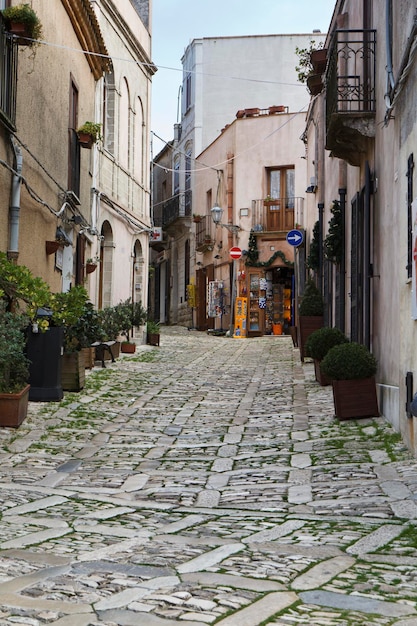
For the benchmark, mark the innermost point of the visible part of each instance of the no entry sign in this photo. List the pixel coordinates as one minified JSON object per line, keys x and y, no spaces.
{"x":235,"y":253}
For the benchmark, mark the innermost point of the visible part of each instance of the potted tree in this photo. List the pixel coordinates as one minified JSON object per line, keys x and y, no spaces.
{"x":310,"y":67}
{"x":110,"y":324}
{"x":352,"y":368}
{"x":68,"y":310}
{"x":317,"y":346}
{"x":88,"y":134}
{"x":152,"y":333}
{"x":22,"y":21}
{"x":14,"y":368}
{"x":310,"y":315}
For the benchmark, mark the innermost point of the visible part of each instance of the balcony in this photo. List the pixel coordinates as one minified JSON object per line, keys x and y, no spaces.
{"x":177,"y":207}
{"x":204,"y":241}
{"x":350,"y":94}
{"x":8,"y":77}
{"x":278,"y":215}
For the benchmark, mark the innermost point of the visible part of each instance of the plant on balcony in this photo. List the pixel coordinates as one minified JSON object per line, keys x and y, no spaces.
{"x":22,"y":21}
{"x":333,"y":243}
{"x":89,"y":133}
{"x":306,"y":70}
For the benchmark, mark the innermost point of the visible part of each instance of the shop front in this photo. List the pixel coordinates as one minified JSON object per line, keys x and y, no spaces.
{"x":269,"y":294}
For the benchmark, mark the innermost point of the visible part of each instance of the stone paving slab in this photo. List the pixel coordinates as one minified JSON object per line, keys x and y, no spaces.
{"x":205,"y":481}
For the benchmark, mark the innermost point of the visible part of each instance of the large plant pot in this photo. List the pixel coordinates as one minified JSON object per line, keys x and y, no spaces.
{"x":127,"y":347}
{"x":153,"y":339}
{"x":14,"y":407}
{"x":321,"y":378}
{"x":354,"y":399}
{"x":44,"y":351}
{"x":89,"y":357}
{"x":307,"y":324}
{"x":73,"y":371}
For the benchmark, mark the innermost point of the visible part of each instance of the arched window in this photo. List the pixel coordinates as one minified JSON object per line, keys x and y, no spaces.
{"x":124,"y":125}
{"x":139,"y":142}
{"x":109,"y":104}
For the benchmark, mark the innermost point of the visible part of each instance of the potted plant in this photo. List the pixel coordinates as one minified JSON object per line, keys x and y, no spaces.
{"x":14,"y":368}
{"x":68,"y":310}
{"x":152,"y":333}
{"x":310,"y":315}
{"x":197,"y":218}
{"x":124,"y":313}
{"x":22,"y":21}
{"x":89,"y":133}
{"x":317,"y":346}
{"x":310,"y":68}
{"x":91,"y":264}
{"x":352,"y":368}
{"x":110,"y":324}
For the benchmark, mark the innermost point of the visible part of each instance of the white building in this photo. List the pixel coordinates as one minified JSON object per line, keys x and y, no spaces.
{"x":221,"y":77}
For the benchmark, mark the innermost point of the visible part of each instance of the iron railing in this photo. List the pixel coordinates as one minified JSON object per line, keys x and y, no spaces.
{"x":277,"y":215}
{"x":173,"y":209}
{"x":8,"y":76}
{"x":350,"y":75}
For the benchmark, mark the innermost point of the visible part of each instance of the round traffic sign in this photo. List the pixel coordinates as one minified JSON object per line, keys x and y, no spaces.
{"x":295,"y":237}
{"x":235,"y":252}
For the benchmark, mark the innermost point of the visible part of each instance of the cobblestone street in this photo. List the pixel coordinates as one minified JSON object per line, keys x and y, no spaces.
{"x":206,"y":482}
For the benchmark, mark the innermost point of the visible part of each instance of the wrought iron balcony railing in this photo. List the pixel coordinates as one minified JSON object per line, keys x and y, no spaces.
{"x":277,"y":215}
{"x":350,"y":76}
{"x":203,"y":238}
{"x":172,"y":209}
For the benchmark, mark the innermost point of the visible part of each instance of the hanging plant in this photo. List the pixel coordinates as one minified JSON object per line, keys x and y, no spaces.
{"x":313,"y":259}
{"x":333,"y":243}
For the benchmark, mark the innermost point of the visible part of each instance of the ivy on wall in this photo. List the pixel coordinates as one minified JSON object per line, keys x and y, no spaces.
{"x":313,"y":259}
{"x":333,"y":242}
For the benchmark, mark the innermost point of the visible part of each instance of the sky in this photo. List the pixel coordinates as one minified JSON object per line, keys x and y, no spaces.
{"x":175,"y":23}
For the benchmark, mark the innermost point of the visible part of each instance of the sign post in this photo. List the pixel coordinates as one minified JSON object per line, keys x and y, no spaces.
{"x":235,"y":254}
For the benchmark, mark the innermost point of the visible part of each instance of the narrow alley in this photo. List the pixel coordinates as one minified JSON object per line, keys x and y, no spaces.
{"x":206,"y":482}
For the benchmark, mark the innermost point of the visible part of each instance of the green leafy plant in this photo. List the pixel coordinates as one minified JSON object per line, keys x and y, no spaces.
{"x":68,"y":309}
{"x":322,"y":340}
{"x":110,"y":323}
{"x":305,"y":68}
{"x":24,"y":14}
{"x":152,"y":328}
{"x":90,"y":128}
{"x":14,"y":366}
{"x":333,"y":243}
{"x":22,"y":289}
{"x":313,"y":259}
{"x":312,"y":302}
{"x":349,"y":361}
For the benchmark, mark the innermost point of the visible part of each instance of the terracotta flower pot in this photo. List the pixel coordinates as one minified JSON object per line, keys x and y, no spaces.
{"x":14,"y":407}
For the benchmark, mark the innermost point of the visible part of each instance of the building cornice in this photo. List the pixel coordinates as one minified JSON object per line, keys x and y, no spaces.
{"x":87,"y":29}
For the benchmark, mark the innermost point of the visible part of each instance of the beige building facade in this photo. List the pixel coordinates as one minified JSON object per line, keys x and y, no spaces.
{"x":360,"y":137}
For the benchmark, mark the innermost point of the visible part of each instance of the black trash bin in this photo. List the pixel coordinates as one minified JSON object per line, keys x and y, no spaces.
{"x":44,"y":350}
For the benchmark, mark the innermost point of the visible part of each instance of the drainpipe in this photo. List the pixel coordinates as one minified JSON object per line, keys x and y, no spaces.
{"x":342,"y":200}
{"x":14,"y":210}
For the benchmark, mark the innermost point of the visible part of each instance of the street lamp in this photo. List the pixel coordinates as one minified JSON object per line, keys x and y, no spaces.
{"x":217,"y":214}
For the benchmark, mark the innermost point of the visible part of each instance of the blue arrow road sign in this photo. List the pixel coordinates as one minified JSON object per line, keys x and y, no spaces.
{"x":295,"y":237}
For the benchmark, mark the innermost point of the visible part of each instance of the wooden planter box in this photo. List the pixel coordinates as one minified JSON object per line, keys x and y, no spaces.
{"x":73,"y":371}
{"x":127,"y":347}
{"x":321,"y":378}
{"x":307,"y":324}
{"x":354,"y":399}
{"x":153,"y":339}
{"x":89,"y":357}
{"x":14,"y":407}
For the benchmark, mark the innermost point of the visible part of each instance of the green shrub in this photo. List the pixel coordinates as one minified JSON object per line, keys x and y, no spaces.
{"x":320,"y":341}
{"x":349,"y":361}
{"x":312,"y":301}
